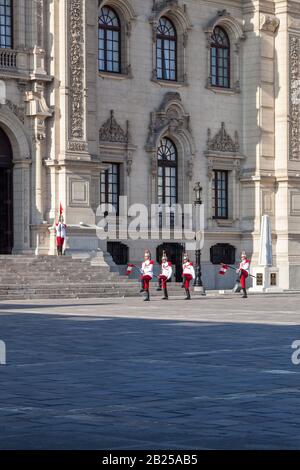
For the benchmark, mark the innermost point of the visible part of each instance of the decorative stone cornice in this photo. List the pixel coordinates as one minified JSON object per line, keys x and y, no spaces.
{"x":174,"y":10}
{"x":294,"y":54}
{"x":222,"y":141}
{"x":111,"y":131}
{"x":160,"y":5}
{"x":269,"y":23}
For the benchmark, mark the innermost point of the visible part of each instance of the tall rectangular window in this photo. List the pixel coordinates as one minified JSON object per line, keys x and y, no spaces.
{"x":220,"y":194}
{"x":110,"y":186}
{"x":6,"y":24}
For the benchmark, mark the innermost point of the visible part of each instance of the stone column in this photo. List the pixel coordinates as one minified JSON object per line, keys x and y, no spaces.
{"x":21,"y":206}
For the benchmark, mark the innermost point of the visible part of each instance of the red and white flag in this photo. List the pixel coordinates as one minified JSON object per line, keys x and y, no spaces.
{"x":224,"y":268}
{"x":129,"y":269}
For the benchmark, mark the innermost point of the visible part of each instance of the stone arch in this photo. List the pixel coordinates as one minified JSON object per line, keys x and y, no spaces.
{"x":234,"y":28}
{"x":21,"y":178}
{"x":182,"y":24}
{"x":15,"y":131}
{"x":121,"y":6}
{"x":127,"y":15}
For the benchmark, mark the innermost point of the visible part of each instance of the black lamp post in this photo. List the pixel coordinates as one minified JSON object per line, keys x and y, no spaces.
{"x":198,"y":279}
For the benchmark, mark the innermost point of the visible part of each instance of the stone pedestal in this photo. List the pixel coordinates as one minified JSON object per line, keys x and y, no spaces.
{"x":266,"y":279}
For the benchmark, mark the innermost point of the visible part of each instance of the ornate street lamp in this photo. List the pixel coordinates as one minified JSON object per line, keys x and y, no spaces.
{"x":198,"y":279}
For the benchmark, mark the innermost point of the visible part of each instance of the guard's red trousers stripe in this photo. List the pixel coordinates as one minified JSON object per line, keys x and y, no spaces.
{"x":146,"y":278}
{"x":243,"y":278}
{"x":163,"y":281}
{"x":59,"y":241}
{"x":187,"y":279}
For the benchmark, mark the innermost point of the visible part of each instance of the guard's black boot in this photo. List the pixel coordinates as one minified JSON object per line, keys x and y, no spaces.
{"x":188,"y":295}
{"x":244,"y":296}
{"x":165,"y":297}
{"x":159,"y":285}
{"x":147,"y":296}
{"x":142,"y":286}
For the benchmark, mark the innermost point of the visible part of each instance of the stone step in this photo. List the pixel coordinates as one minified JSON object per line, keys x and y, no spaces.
{"x":81,"y":287}
{"x":42,"y":277}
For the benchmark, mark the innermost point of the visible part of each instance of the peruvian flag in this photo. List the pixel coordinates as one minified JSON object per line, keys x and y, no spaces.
{"x":129,"y":269}
{"x":223,"y":269}
{"x":60,"y":209}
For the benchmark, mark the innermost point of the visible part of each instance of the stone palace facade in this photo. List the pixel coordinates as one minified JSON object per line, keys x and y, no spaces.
{"x":145,"y":98}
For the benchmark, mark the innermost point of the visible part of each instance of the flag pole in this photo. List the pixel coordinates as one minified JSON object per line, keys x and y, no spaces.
{"x":234,"y":268}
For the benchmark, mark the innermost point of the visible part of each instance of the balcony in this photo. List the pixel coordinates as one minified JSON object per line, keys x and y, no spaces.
{"x":8,"y":59}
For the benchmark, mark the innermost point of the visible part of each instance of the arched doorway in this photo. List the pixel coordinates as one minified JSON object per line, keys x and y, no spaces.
{"x":6,"y":194}
{"x":174,"y":253}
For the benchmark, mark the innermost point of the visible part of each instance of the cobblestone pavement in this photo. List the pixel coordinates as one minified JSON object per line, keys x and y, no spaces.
{"x":213,"y":373}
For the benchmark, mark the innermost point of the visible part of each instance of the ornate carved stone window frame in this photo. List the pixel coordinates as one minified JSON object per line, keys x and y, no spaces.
{"x":234,"y":28}
{"x":172,"y":121}
{"x":223,"y":154}
{"x":126,"y":16}
{"x":179,"y":17}
{"x":115,"y":146}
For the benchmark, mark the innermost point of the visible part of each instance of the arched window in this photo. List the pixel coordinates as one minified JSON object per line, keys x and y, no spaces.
{"x":109,"y":41}
{"x":6,"y":24}
{"x":220,"y":58}
{"x":166,"y":50}
{"x":167,"y":172}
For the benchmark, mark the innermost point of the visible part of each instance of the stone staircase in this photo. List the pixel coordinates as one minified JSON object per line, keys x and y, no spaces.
{"x":66,"y":277}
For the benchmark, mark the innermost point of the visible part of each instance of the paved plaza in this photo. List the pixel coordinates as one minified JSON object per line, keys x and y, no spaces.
{"x":213,"y":373}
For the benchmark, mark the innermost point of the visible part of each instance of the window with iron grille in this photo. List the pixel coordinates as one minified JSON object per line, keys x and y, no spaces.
{"x":109,"y":38}
{"x":222,"y":253}
{"x":166,"y":50}
{"x":167,"y":176}
{"x":220,"y":58}
{"x":119,"y":252}
{"x":220,"y":194}
{"x":6,"y":28}
{"x":110,"y":186}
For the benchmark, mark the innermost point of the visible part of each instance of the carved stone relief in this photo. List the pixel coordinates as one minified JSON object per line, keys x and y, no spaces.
{"x":294,"y":54}
{"x":269,"y":23}
{"x":159,"y":5}
{"x":76,"y":39}
{"x":222,"y":141}
{"x":18,"y":111}
{"x":111,"y":131}
{"x":40,"y":22}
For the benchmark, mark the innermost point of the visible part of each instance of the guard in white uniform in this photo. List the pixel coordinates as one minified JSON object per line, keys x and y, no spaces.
{"x":166,"y":273}
{"x":243,"y":271}
{"x":188,"y":274}
{"x":61,"y":232}
{"x":147,"y":274}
